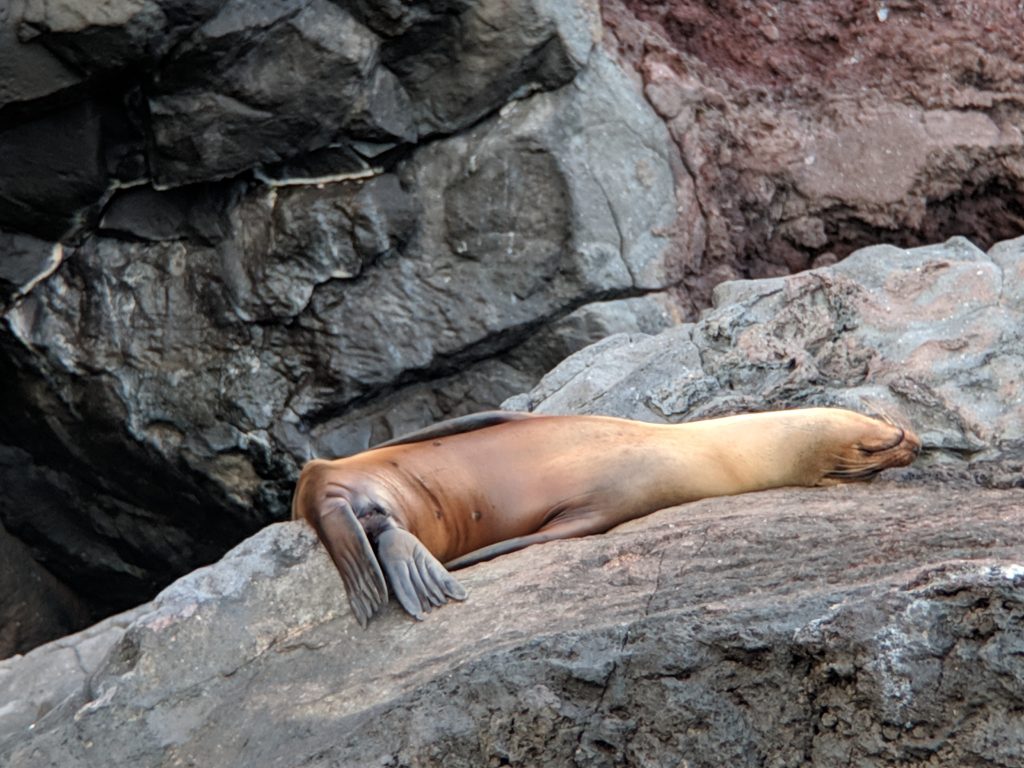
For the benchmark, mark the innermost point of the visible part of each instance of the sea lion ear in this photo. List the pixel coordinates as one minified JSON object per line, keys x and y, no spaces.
{"x":418,"y":580}
{"x":349,"y":548}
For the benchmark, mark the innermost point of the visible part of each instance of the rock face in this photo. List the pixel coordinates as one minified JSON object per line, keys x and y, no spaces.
{"x":866,"y":625}
{"x":237,"y":234}
{"x":211,"y":89}
{"x":807,"y":132}
{"x":304,"y":227}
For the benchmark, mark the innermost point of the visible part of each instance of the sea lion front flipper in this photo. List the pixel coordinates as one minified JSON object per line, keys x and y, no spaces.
{"x":350,"y":549}
{"x":418,"y":580}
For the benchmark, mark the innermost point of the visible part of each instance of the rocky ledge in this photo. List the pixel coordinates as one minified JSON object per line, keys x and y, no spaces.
{"x":867,"y":625}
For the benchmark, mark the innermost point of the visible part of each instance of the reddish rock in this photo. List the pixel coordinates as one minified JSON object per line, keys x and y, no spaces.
{"x":808,"y":130}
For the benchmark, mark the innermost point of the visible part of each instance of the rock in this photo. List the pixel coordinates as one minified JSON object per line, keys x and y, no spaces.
{"x":805,"y":131}
{"x":173,"y":375}
{"x":931,"y":335}
{"x":68,"y":145}
{"x":114,"y":35}
{"x":293,"y":240}
{"x":28,"y":72}
{"x":35,"y":606}
{"x":200,"y":91}
{"x":250,"y":81}
{"x":457,"y":60}
{"x":866,"y":624}
{"x":24,"y":261}
{"x":481,"y":385}
{"x":239,"y":233}
{"x":196,"y":212}
{"x":33,"y":685}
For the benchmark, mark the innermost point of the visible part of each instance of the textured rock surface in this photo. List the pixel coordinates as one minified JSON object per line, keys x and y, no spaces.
{"x":865,"y":625}
{"x":166,"y":379}
{"x":809,"y":131}
{"x":276,"y":248}
{"x":202,"y":90}
{"x":930,"y":334}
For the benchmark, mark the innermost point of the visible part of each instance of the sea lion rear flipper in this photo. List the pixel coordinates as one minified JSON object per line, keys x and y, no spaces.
{"x":346,"y":541}
{"x":418,"y":580}
{"x":458,"y":425}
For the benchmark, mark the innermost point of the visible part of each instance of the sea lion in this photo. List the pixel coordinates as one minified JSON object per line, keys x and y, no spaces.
{"x":470,"y":489}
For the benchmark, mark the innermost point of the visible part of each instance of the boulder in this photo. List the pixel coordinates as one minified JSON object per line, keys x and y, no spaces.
{"x":867,"y":625}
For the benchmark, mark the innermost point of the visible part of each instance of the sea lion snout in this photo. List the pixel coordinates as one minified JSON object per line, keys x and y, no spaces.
{"x":873,"y":446}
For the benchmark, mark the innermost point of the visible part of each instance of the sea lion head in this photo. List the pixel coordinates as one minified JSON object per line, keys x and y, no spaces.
{"x":858,"y":447}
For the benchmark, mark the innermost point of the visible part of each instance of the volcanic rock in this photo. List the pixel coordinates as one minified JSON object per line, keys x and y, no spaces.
{"x":856,"y":625}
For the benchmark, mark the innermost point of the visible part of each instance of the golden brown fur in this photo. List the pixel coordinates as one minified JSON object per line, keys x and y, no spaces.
{"x":465,"y":496}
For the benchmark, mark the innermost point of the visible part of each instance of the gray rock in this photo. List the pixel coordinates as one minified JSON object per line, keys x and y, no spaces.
{"x":56,"y":674}
{"x":196,"y":212}
{"x":112,"y":35}
{"x":480,"y":385}
{"x":215,"y":90}
{"x":866,"y":624}
{"x":28,"y":72}
{"x":459,"y":59}
{"x":931,"y":335}
{"x":791,"y":627}
{"x":250,"y":86}
{"x":292,"y":240}
{"x":172,"y":383}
